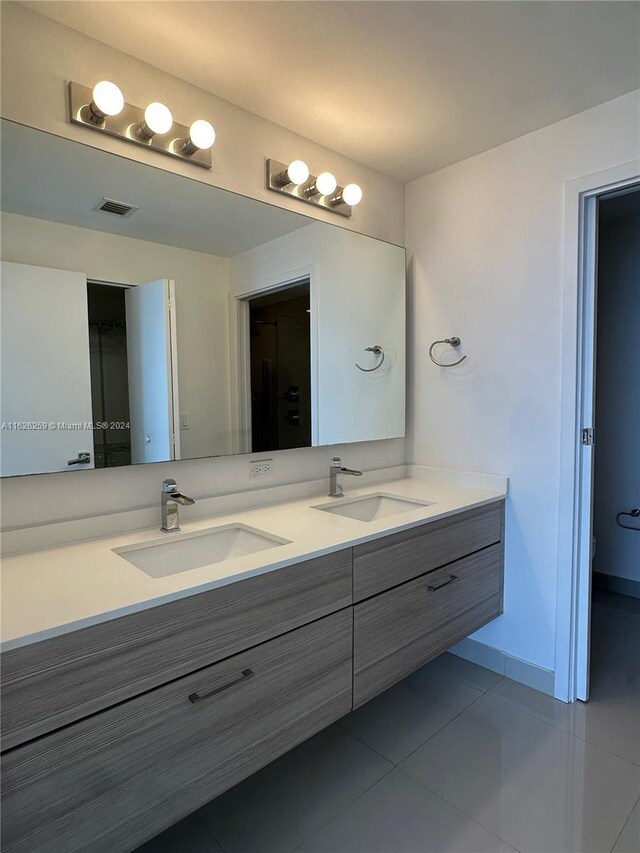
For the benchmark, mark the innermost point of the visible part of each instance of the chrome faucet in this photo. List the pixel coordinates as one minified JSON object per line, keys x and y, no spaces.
{"x":336,"y":468}
{"x":171,"y":497}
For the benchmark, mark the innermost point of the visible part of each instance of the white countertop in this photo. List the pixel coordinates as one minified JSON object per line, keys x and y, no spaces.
{"x":50,"y":592}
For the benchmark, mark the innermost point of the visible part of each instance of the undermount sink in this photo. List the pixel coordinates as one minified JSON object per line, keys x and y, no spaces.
{"x":180,"y":553}
{"x":372,"y":507}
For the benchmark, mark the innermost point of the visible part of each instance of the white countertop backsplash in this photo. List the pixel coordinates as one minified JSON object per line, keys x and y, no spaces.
{"x":59,"y":578}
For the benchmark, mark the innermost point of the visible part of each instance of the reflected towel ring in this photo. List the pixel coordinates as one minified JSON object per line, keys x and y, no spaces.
{"x":634,"y":513}
{"x":454,"y":342}
{"x":376,"y":350}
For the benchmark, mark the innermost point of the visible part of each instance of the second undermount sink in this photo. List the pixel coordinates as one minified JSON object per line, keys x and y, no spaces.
{"x":372,"y":507}
{"x":169,"y":556}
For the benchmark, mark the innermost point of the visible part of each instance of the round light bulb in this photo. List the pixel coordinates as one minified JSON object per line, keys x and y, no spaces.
{"x":352,"y":195}
{"x":298,"y":172}
{"x":326,"y":183}
{"x":108,"y":98}
{"x":158,"y":118}
{"x":202,"y":134}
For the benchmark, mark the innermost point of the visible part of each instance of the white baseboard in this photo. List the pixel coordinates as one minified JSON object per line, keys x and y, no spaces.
{"x":504,"y":664}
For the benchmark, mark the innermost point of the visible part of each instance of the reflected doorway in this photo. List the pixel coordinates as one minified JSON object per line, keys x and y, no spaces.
{"x":280,"y":366}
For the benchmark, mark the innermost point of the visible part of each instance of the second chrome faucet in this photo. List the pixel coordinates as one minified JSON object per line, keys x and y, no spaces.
{"x":336,"y":468}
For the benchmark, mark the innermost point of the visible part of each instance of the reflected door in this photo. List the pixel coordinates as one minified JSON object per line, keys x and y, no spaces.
{"x":153,"y":371}
{"x":46,"y":383}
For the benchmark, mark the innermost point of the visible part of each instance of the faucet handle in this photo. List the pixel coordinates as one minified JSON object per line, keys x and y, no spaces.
{"x":169,"y":485}
{"x":336,"y":462}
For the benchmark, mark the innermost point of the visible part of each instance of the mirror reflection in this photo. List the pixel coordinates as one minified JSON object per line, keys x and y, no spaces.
{"x":149,"y":317}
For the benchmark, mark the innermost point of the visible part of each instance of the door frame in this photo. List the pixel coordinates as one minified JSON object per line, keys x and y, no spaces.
{"x":239,"y":297}
{"x":573,"y":601}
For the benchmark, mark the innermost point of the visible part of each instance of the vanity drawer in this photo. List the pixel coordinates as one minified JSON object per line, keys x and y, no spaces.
{"x":400,"y":630}
{"x":387,"y":562}
{"x":54,"y":682}
{"x":111,"y":781}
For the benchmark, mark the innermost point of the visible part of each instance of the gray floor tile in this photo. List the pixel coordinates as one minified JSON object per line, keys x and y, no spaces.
{"x":612,"y":602}
{"x":434,"y":682}
{"x":398,"y":815}
{"x":476,"y":676}
{"x":615,"y":640}
{"x":280,"y":806}
{"x":629,"y":840}
{"x":191,"y":835}
{"x":398,"y":721}
{"x":611,"y":717}
{"x":535,"y":786}
{"x":533,"y":702}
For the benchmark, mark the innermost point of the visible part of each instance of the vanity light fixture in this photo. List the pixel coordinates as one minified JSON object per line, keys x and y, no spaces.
{"x":323,"y":191}
{"x":104,"y":109}
{"x":351,"y":195}
{"x":325,"y":184}
{"x":157,"y":120}
{"x":296,"y":173}
{"x":106,"y":100}
{"x":200,"y":138}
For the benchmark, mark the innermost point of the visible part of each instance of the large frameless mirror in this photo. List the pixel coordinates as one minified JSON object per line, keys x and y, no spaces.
{"x":148,"y":317}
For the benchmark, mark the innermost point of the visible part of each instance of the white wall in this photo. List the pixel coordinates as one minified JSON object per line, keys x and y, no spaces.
{"x":360,"y":302}
{"x":484,"y":240}
{"x":617,"y":456}
{"x":39,"y":57}
{"x":202,"y":300}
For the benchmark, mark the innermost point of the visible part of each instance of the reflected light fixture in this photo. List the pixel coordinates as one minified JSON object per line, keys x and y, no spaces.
{"x":104,"y":109}
{"x":157,"y":120}
{"x":295,"y":180}
{"x":106,"y":100}
{"x":200,"y":138}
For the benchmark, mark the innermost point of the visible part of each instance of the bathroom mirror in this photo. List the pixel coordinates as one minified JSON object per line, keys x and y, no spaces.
{"x":148,"y":317}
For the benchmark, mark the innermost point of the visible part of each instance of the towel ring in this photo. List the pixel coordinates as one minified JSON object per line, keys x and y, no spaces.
{"x":454,"y":342}
{"x":376,"y":350}
{"x":634,"y":513}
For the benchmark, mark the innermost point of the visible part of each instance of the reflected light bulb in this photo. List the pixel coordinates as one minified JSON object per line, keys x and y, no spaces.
{"x":298,"y":172}
{"x":157,"y":119}
{"x":107,"y":100}
{"x":202,"y":134}
{"x":326,"y":183}
{"x":352,"y":195}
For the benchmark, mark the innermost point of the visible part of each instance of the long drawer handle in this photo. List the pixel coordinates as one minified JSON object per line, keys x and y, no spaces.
{"x":452,"y":578}
{"x":246,"y":675}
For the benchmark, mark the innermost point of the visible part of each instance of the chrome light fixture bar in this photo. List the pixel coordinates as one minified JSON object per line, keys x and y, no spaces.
{"x":322,"y":190}
{"x":104,"y":109}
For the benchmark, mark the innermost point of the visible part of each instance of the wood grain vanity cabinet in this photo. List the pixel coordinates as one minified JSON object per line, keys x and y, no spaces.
{"x":114,"y":732}
{"x":52,"y":683}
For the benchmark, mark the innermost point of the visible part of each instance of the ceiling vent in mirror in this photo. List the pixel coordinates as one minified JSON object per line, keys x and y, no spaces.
{"x":118,"y":208}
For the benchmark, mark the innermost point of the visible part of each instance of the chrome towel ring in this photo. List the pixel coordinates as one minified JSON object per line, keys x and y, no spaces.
{"x":377,"y":351}
{"x":454,"y":342}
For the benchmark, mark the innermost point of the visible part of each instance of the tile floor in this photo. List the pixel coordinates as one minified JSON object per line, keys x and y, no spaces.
{"x":454,"y":758}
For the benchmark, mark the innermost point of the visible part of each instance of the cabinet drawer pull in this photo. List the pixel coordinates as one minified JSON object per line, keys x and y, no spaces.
{"x":246,"y":675}
{"x":452,"y":578}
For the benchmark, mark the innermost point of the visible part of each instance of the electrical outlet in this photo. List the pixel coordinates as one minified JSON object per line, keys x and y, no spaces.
{"x":260,"y":468}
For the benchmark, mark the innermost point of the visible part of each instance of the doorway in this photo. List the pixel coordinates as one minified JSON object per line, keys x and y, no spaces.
{"x":280,"y":367}
{"x":109,"y":374}
{"x":615,"y":600}
{"x":579,"y":439}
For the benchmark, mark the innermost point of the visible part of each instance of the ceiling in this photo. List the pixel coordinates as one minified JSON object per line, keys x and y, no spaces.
{"x":404,"y":87}
{"x":52,"y":178}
